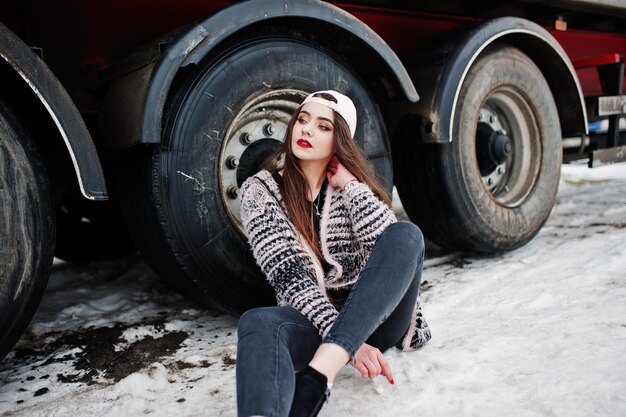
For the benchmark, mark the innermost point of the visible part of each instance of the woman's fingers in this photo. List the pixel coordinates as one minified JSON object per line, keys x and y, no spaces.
{"x":359,"y":365}
{"x":370,"y":362}
{"x":362,"y":368}
{"x":374,"y":359}
{"x":386,"y":369}
{"x":340,"y":174}
{"x":372,"y":368}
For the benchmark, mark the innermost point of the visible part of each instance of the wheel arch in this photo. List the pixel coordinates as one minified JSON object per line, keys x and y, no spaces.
{"x":151,"y":84}
{"x":455,"y":55}
{"x":32,"y":83}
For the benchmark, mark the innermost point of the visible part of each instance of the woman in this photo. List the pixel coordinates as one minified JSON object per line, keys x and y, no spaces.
{"x":345,"y":272}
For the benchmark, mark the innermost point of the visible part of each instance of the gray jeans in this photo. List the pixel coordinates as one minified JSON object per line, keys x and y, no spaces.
{"x":275,"y":342}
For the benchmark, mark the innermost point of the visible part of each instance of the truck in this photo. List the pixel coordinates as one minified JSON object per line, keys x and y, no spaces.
{"x":132,"y":125}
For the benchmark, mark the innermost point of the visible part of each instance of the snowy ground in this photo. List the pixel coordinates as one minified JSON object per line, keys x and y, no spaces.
{"x":540,"y":331}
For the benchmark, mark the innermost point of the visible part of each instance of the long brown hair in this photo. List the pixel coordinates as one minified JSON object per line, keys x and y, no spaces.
{"x":295,"y":189}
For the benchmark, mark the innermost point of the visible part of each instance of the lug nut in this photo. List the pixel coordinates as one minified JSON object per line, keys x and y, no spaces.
{"x":492,"y":118}
{"x":231,"y":192}
{"x":489,"y":181}
{"x":245,"y":139}
{"x":500,"y":170}
{"x":232,"y":162}
{"x":268,"y":129}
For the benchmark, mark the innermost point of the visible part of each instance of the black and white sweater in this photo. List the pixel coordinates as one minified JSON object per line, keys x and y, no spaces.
{"x":351,"y":221}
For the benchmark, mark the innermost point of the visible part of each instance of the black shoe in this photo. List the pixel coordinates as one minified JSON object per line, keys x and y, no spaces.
{"x":311,"y":393}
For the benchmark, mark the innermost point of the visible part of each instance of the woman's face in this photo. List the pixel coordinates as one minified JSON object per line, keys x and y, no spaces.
{"x":312,"y":135}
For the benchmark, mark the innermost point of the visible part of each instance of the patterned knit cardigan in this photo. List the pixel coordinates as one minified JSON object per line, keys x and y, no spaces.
{"x":351,"y":221}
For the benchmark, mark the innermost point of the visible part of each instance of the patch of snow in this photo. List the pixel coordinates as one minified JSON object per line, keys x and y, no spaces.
{"x":538,"y":331}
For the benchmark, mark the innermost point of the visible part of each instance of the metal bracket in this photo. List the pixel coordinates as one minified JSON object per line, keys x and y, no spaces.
{"x":607,"y":156}
{"x":610,"y":105}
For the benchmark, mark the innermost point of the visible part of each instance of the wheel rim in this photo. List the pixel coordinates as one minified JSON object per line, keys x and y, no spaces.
{"x":508,"y":147}
{"x":256,"y":130}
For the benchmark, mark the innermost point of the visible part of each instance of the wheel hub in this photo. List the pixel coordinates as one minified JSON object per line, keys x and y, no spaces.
{"x":493,"y":147}
{"x":507,"y":147}
{"x":255,"y":132}
{"x":254,"y":155}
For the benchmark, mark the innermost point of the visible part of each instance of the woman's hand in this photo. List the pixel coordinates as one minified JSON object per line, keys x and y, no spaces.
{"x":370,"y":362}
{"x":337,"y":174}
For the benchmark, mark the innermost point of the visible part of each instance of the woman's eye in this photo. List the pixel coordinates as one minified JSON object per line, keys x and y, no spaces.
{"x":301,"y":120}
{"x":325,"y":128}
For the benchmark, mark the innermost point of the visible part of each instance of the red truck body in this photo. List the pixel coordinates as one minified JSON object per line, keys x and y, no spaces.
{"x":165,"y":107}
{"x":94,"y":34}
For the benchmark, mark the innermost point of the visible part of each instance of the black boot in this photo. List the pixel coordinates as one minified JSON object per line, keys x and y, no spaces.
{"x":311,"y":393}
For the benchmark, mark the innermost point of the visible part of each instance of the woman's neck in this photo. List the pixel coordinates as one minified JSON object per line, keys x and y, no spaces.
{"x":315,"y":173}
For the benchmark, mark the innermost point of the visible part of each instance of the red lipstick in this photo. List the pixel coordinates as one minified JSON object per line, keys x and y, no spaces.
{"x":303,"y":143}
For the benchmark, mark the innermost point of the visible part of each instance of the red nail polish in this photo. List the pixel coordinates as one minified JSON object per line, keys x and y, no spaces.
{"x":391,"y":381}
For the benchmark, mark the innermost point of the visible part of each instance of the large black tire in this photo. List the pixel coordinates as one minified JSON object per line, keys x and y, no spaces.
{"x":26,"y":229}
{"x":91,"y":230}
{"x":493,"y":187}
{"x":181,"y":200}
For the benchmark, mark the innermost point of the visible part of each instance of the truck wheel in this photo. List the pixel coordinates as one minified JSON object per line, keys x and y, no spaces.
{"x":224,"y":121}
{"x":26,"y":229}
{"x":491,"y":188}
{"x":90,"y":230}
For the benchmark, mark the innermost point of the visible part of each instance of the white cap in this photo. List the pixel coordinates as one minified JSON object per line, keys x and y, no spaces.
{"x":344,"y":106}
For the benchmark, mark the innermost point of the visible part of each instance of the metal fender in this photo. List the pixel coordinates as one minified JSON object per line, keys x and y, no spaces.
{"x":143,"y":91}
{"x":440,"y":81}
{"x":49,"y":91}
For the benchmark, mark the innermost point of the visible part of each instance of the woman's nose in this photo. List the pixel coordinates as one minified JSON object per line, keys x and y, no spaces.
{"x":306,"y":130}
